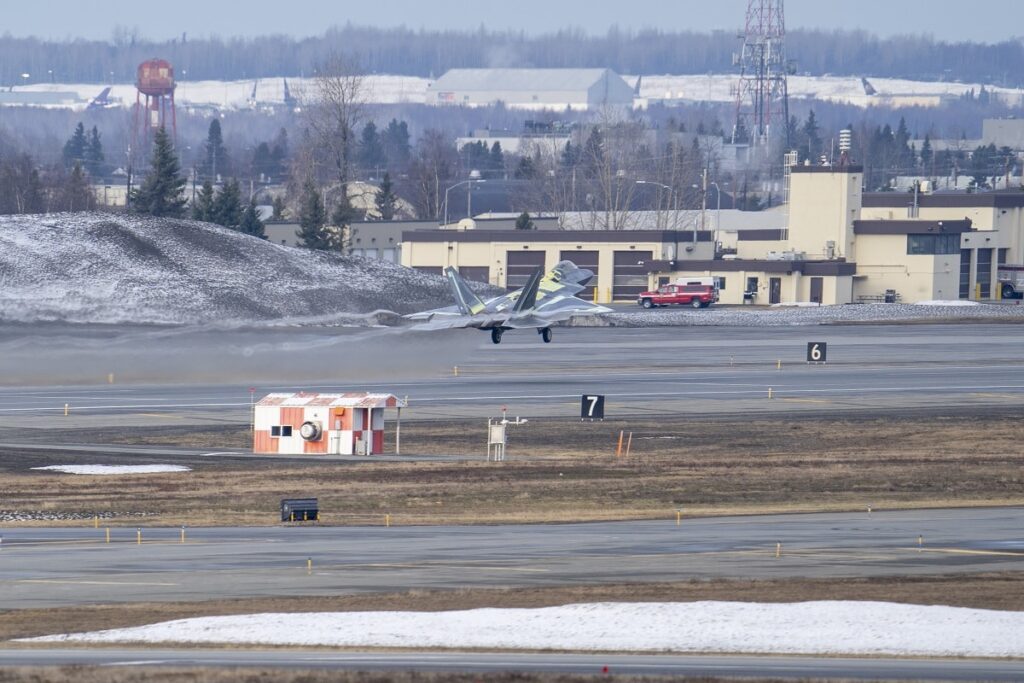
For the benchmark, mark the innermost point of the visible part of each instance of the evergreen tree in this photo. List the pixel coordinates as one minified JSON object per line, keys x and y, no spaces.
{"x":386,"y":199}
{"x":75,"y":147}
{"x":496,"y":163}
{"x":570,"y":155}
{"x":76,"y":194}
{"x":812,"y":138}
{"x":262,"y":161}
{"x":524,"y":222}
{"x":278,"y":208}
{"x":343,"y":215}
{"x":312,"y":232}
{"x":926,"y":153}
{"x":227,"y":207}
{"x":395,"y":140}
{"x":202,"y":207}
{"x":162,"y":190}
{"x":251,"y":223}
{"x":94,"y":157}
{"x":216,"y":162}
{"x":525,"y":169}
{"x":371,"y":148}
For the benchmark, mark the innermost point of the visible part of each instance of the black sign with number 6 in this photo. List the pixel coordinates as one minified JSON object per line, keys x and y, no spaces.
{"x":816,"y":352}
{"x":592,"y":407}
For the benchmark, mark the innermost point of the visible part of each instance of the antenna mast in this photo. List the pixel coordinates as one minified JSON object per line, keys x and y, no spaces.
{"x":762,"y":94}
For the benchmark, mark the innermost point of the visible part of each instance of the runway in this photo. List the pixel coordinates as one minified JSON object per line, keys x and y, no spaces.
{"x":491,"y":663}
{"x":669,"y":371}
{"x":52,"y":567}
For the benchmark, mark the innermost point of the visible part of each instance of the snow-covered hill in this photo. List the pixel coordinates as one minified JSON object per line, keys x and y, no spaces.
{"x":108,"y":268}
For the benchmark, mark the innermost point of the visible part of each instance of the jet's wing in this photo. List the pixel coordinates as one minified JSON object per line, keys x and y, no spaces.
{"x":467,"y":304}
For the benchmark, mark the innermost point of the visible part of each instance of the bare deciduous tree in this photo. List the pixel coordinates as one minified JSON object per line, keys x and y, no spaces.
{"x":336,"y":106}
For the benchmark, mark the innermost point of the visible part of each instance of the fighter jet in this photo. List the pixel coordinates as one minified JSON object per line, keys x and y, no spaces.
{"x":545,"y":300}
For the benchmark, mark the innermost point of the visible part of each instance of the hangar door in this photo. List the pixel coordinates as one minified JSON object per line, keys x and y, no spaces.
{"x":584,"y":259}
{"x":520,"y":266}
{"x":630,"y":274}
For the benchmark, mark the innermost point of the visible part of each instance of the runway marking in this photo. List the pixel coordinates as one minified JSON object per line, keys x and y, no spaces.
{"x":807,"y":400}
{"x":439,"y":565}
{"x":1014,"y":397}
{"x":964,"y":551}
{"x":163,"y":415}
{"x":94,"y":583}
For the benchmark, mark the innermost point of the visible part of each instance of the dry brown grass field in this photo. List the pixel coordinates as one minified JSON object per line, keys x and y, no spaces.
{"x":568,"y":471}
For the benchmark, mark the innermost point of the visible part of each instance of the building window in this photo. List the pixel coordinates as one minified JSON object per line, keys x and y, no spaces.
{"x":275,"y":431}
{"x":931,"y":245}
{"x":720,"y":281}
{"x":752,"y":284}
{"x":983,"y":276}
{"x":965,"y":273}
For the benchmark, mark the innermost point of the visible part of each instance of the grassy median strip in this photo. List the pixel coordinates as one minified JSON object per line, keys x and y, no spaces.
{"x":561,"y":471}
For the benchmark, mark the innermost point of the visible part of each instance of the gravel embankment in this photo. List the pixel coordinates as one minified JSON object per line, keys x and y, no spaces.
{"x":823,"y":315}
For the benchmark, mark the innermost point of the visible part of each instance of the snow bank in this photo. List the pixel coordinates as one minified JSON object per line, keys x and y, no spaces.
{"x":114,"y":469}
{"x":833,"y":627}
{"x":107,"y":268}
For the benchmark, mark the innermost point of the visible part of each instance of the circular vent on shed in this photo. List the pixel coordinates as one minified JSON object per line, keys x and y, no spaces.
{"x":310,"y":431}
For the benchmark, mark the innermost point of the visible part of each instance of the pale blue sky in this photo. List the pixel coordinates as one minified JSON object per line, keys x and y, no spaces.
{"x":989,"y":21}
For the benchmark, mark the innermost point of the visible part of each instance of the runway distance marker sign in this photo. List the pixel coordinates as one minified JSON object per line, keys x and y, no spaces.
{"x":592,"y":407}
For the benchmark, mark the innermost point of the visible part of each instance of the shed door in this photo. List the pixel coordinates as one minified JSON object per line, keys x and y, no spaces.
{"x":817,"y":287}
{"x":629,"y":277}
{"x":588,"y":260}
{"x":520,"y":266}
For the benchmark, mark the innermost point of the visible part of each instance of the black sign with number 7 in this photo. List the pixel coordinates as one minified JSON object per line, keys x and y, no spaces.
{"x":592,"y":407}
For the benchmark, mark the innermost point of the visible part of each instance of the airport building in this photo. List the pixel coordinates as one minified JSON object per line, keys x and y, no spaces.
{"x":559,"y":89}
{"x":839,"y":245}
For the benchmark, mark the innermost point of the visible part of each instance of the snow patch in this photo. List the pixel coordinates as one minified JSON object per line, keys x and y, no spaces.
{"x":114,"y":469}
{"x":826,"y":627}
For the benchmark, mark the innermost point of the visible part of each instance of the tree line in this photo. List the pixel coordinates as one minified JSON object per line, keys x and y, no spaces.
{"x":429,"y":53}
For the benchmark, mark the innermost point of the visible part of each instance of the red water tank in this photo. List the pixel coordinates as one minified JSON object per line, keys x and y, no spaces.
{"x":155,"y":77}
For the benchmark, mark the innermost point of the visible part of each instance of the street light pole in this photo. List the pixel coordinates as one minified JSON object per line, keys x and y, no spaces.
{"x":718,"y":216}
{"x":449,"y":189}
{"x":673,"y":198}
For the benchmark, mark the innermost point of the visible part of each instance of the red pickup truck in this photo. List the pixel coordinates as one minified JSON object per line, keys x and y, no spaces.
{"x":697,"y":296}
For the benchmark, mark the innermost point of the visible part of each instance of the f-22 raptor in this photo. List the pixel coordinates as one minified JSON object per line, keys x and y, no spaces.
{"x":545,"y":300}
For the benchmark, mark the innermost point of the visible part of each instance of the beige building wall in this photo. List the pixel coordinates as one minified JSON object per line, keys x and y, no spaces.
{"x":823,"y":205}
{"x":883,"y":263}
{"x":796,"y":287}
{"x":493,"y":254}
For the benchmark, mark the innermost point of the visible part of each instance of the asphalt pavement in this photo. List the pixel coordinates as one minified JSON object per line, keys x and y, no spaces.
{"x":52,"y":567}
{"x":672,"y":371}
{"x":531,"y":662}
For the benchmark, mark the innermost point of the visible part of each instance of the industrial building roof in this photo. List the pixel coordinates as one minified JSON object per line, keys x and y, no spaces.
{"x":346,"y":400}
{"x":530,"y":80}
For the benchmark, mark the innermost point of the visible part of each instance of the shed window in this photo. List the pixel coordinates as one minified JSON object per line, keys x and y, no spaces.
{"x":286,"y":430}
{"x":275,"y":431}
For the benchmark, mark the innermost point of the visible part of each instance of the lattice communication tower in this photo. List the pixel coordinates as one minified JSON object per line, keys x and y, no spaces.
{"x":762,"y":95}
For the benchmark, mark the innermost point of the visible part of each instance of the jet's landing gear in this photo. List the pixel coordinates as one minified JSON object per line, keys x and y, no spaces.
{"x":496,"y":335}
{"x":545,"y":334}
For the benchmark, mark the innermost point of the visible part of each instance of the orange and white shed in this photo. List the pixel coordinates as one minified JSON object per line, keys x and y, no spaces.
{"x":327,"y":424}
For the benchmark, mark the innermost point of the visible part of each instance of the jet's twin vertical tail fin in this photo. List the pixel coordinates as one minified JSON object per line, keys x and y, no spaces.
{"x":467,"y":301}
{"x":528,"y":295}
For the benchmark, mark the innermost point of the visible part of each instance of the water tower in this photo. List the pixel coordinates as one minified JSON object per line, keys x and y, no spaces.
{"x":154,"y":101}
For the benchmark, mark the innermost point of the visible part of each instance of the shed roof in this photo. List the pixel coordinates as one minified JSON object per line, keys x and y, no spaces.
{"x":302,"y":399}
{"x":528,"y":80}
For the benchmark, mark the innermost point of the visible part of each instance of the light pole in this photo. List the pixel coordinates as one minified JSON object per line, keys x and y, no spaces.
{"x":718,"y":216}
{"x":459,"y":184}
{"x":673,"y":198}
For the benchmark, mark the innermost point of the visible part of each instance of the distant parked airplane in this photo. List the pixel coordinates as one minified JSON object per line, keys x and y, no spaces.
{"x":545,"y":300}
{"x":101,"y":101}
